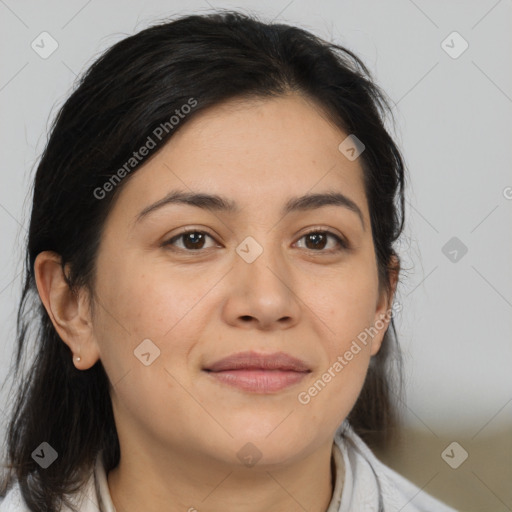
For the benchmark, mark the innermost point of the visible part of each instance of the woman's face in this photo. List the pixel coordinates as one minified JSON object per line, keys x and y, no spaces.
{"x":248,"y":279}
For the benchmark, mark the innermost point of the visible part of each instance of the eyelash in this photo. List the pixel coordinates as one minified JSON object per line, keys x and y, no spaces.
{"x":342,"y":243}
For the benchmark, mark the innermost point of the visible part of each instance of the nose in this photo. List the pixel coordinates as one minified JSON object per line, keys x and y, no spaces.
{"x":262,"y":292}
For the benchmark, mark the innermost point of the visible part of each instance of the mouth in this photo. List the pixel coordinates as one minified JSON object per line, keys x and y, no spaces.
{"x":259,"y":373}
{"x":259,"y":381}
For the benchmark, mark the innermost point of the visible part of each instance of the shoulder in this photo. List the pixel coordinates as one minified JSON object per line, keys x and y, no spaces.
{"x":372,"y":484}
{"x":85,"y":501}
{"x":407,"y":493}
{"x":13,"y":501}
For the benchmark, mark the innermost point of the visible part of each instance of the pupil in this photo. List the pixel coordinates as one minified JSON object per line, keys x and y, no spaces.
{"x":190,"y":236}
{"x":316,"y":236}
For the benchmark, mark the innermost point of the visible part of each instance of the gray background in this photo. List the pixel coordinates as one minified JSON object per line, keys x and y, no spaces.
{"x":454,"y":126}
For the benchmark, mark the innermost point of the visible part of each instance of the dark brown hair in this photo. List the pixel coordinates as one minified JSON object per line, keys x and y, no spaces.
{"x":129,"y":91}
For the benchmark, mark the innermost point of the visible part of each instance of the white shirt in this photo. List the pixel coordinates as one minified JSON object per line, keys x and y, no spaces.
{"x":362,"y":484}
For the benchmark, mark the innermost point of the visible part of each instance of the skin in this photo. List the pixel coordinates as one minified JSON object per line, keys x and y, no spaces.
{"x":179,"y":429}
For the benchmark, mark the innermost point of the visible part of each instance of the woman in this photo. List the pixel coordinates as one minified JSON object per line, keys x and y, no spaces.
{"x":211,"y":258}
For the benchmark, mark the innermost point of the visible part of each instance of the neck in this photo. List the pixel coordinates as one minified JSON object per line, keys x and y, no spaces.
{"x":191,"y":483}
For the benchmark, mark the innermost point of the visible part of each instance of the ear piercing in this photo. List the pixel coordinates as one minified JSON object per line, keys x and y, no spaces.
{"x":78,"y":358}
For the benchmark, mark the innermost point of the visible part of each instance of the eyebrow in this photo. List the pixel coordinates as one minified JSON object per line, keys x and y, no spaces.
{"x":221,"y":204}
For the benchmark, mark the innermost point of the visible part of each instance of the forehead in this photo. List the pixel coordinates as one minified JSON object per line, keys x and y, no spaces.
{"x":256,"y":151}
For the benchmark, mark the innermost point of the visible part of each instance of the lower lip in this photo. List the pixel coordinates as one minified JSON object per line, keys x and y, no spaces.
{"x":259,"y":381}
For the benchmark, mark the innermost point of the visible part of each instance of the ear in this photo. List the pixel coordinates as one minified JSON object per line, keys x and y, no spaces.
{"x":383,"y":310}
{"x":68,"y":311}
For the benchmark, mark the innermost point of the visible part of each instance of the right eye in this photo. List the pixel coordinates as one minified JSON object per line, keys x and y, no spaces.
{"x":191,"y":243}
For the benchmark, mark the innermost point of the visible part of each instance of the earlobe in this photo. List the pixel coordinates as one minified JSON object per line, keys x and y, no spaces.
{"x":66,"y":309}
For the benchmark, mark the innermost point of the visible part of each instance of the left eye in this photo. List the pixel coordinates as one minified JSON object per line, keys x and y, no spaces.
{"x":315,"y":240}
{"x":319,"y":238}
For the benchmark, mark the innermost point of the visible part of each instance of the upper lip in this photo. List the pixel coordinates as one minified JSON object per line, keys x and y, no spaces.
{"x":255,"y":361}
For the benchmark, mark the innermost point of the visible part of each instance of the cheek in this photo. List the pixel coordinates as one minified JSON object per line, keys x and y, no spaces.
{"x":141,"y":306}
{"x":334,"y":388}
{"x":347,"y":308}
{"x":346,"y":304}
{"x":151,"y":300}
{"x":137,"y":304}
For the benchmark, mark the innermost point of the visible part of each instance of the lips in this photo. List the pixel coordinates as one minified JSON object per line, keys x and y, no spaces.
{"x":254,"y":361}
{"x":259,"y":373}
